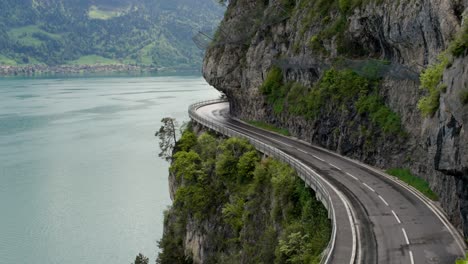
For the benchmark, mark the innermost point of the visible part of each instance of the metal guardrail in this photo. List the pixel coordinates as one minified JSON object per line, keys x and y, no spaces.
{"x":304,"y":172}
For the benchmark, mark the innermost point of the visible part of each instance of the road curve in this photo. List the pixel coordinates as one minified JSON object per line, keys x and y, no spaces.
{"x":378,"y":218}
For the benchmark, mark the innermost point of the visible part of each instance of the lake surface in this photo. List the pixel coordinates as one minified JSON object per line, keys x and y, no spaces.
{"x":80,"y":180}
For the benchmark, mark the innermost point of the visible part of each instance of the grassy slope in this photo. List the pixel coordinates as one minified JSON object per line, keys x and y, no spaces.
{"x":7,"y":61}
{"x":96,"y":13}
{"x":157,"y":34}
{"x":24,"y":35}
{"x":93,"y":59}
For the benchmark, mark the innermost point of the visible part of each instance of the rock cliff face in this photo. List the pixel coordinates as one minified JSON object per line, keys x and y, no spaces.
{"x":407,"y":35}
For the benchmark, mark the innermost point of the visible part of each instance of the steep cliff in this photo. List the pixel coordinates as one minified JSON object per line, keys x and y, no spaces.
{"x":349,"y":80}
{"x":233,"y":206}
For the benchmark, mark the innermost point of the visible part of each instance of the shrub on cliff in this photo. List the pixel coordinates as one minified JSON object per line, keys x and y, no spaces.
{"x":337,"y":90}
{"x":460,"y":45}
{"x":246,"y":207}
{"x":431,"y":79}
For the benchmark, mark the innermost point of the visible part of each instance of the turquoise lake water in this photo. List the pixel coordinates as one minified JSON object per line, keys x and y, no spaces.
{"x":80,"y":180}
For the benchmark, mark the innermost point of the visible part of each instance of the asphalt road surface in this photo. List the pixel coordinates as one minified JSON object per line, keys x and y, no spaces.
{"x":379,"y":219}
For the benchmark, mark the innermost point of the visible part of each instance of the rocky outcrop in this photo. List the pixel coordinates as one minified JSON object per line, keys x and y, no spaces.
{"x":407,"y":35}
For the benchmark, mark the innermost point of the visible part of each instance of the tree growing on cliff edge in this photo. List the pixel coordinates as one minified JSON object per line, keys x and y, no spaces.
{"x":167,"y":137}
{"x":141,"y":259}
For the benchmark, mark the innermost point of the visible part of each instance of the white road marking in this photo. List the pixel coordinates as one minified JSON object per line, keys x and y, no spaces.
{"x":270,"y":138}
{"x":303,"y":151}
{"x":406,"y":236}
{"x":351,"y":216}
{"x":396,"y":217}
{"x":368,"y":187}
{"x":428,"y":203}
{"x":318,"y":158}
{"x":383,"y":200}
{"x":411,"y":256}
{"x":334,"y":166}
{"x":352,"y":176}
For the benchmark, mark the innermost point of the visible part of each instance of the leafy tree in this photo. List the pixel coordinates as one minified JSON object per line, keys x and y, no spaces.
{"x":206,"y":146}
{"x":246,"y":166}
{"x":187,"y":166}
{"x":167,"y":137}
{"x":141,"y":259}
{"x":187,"y":141}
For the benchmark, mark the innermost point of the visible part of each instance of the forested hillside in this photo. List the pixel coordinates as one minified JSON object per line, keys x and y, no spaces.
{"x":146,"y":32}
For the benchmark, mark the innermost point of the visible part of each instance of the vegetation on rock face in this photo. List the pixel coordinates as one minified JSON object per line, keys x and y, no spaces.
{"x":418,"y":183}
{"x":462,"y":261}
{"x":144,"y":32}
{"x":464,"y":97}
{"x":342,"y":90}
{"x":459,"y":45}
{"x":248,"y":209}
{"x":431,"y":79}
{"x":332,"y":16}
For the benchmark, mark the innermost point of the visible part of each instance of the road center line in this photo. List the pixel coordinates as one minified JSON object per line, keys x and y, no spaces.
{"x":352,"y":176}
{"x":303,"y":151}
{"x":318,"y":158}
{"x":406,"y":236}
{"x":368,"y":187}
{"x":411,"y":256}
{"x":383,"y":200}
{"x":334,"y":166}
{"x":396,"y":217}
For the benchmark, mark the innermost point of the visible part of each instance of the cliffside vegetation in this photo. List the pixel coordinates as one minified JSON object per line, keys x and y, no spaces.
{"x":231,"y":205}
{"x":141,"y":32}
{"x":342,"y":90}
{"x":431,"y":77}
{"x":392,"y":114}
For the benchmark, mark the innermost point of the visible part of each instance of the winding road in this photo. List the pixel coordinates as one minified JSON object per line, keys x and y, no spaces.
{"x":378,"y":218}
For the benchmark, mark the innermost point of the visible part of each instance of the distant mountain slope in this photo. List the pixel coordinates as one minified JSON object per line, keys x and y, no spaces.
{"x":145,"y":32}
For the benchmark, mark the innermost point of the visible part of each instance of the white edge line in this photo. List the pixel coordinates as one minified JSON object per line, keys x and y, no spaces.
{"x":406,"y":236}
{"x":368,"y":187}
{"x":429,"y":204}
{"x":348,"y":210}
{"x":420,"y":196}
{"x":340,"y":195}
{"x":383,"y":200}
{"x":411,"y":257}
{"x":438,"y":212}
{"x":396,"y":217}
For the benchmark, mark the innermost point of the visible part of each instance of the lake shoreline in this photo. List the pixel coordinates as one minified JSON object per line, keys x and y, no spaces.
{"x":33,"y":70}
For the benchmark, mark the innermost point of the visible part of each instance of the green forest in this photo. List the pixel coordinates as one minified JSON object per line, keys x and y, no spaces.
{"x":142,"y":32}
